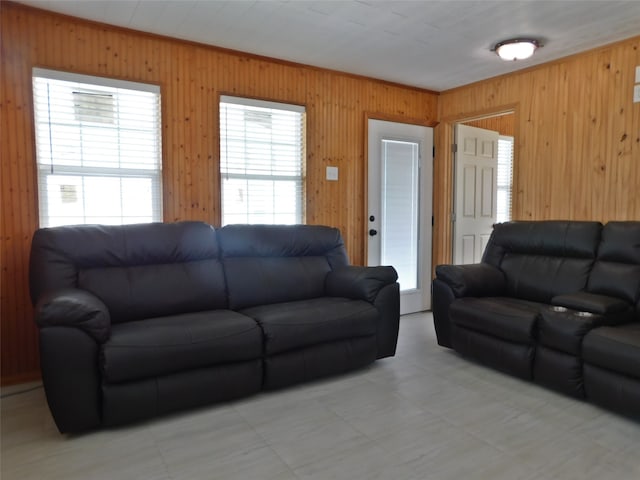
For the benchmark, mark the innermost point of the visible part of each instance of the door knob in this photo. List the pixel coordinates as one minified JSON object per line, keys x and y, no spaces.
{"x":373,"y":233}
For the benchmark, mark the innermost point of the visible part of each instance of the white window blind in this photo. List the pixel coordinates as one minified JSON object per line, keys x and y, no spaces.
{"x":400,"y":200}
{"x":505,"y":178}
{"x":262,"y":152}
{"x":98,"y":145}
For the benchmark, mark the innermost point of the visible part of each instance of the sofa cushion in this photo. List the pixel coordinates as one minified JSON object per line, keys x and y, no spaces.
{"x":556,"y":238}
{"x":318,"y":361}
{"x":539,"y":278}
{"x":144,"y":398}
{"x":543,"y":259}
{"x":283,"y":241}
{"x":616,"y":279}
{"x":139,"y":271}
{"x":160,"y":346}
{"x":292,"y":325}
{"x":614,"y":348}
{"x":137,"y":292}
{"x":506,"y":318}
{"x":261,"y":281}
{"x":278,"y":263}
{"x":617,"y":269}
{"x":504,"y":355}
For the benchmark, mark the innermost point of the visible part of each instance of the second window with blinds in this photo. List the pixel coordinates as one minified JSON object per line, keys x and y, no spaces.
{"x":262,"y":161}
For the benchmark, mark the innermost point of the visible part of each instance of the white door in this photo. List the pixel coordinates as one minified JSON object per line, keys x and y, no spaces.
{"x":475,"y":192}
{"x":399,"y":223}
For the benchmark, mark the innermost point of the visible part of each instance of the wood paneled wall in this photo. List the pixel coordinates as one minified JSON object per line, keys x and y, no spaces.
{"x":577,"y":137}
{"x":191,"y":77}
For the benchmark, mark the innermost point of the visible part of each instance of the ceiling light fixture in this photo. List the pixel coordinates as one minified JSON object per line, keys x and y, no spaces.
{"x":516,"y":48}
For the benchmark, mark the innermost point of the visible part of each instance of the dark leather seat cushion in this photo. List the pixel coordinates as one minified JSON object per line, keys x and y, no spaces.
{"x":614,"y":348}
{"x":318,"y":361}
{"x":292,"y":325}
{"x":165,"y":345}
{"x":506,"y":318}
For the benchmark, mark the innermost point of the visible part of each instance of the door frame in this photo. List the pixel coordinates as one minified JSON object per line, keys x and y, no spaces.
{"x":365,"y":173}
{"x":444,"y":173}
{"x":426,"y":254}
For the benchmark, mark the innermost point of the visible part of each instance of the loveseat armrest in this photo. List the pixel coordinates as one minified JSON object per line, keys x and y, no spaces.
{"x":475,"y":280}
{"x":455,"y":281}
{"x":613,"y":310}
{"x":75,"y":308}
{"x":359,"y":283}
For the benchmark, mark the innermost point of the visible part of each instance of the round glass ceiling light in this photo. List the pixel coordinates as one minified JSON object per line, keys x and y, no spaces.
{"x":516,"y":48}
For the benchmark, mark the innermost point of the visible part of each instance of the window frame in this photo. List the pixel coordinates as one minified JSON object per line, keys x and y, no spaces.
{"x":47,"y":167}
{"x":224,"y":157}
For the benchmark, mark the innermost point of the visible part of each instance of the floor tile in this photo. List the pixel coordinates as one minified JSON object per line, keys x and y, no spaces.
{"x":426,"y":413}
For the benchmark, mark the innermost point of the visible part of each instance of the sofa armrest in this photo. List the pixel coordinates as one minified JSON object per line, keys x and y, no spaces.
{"x":360,"y":283}
{"x":476,"y":280}
{"x":613,"y":310}
{"x":74,"y":308}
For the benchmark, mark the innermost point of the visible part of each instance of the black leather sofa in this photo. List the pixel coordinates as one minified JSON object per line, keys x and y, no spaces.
{"x":140,"y":320}
{"x":556,"y":302}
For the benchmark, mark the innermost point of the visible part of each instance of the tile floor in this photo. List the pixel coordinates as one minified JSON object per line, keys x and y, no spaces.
{"x":424,"y":414}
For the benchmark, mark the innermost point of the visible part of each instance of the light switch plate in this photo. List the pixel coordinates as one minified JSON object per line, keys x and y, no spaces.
{"x":636,"y":94}
{"x":332,"y":173}
{"x":638,"y":74}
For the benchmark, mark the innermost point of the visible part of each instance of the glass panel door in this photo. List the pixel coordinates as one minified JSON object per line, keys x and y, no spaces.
{"x":399,"y":202}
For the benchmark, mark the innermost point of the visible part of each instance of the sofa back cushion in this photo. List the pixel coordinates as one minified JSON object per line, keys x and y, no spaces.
{"x":267,"y":264}
{"x":138,"y":271}
{"x":542,"y":259}
{"x":616,"y":271}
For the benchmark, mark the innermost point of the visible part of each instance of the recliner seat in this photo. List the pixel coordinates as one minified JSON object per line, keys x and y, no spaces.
{"x":546,"y":304}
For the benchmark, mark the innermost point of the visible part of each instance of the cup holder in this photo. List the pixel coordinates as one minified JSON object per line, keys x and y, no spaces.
{"x":556,"y":308}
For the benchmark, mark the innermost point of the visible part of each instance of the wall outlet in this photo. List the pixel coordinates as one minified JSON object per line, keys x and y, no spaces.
{"x":636,"y":94}
{"x":332,"y":173}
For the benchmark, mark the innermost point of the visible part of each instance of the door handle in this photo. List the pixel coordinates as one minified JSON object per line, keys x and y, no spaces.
{"x":373,"y":233}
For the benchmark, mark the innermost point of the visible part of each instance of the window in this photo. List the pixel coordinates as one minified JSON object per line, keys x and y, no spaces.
{"x":400,"y":210}
{"x":505,"y":174}
{"x":98,"y":147}
{"x":262,"y":152}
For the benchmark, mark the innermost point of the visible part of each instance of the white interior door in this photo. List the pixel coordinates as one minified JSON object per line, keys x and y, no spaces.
{"x":475,"y":192}
{"x":399,"y":223}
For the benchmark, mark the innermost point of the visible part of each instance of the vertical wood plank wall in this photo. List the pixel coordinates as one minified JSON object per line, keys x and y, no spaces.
{"x":191,"y":78}
{"x":577,"y":135}
{"x":503,"y":124}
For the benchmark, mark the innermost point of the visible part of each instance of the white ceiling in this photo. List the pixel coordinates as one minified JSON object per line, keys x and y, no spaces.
{"x":436,"y":45}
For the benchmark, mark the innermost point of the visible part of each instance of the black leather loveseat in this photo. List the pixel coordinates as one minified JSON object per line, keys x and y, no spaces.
{"x":557,"y":302}
{"x":140,"y":320}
